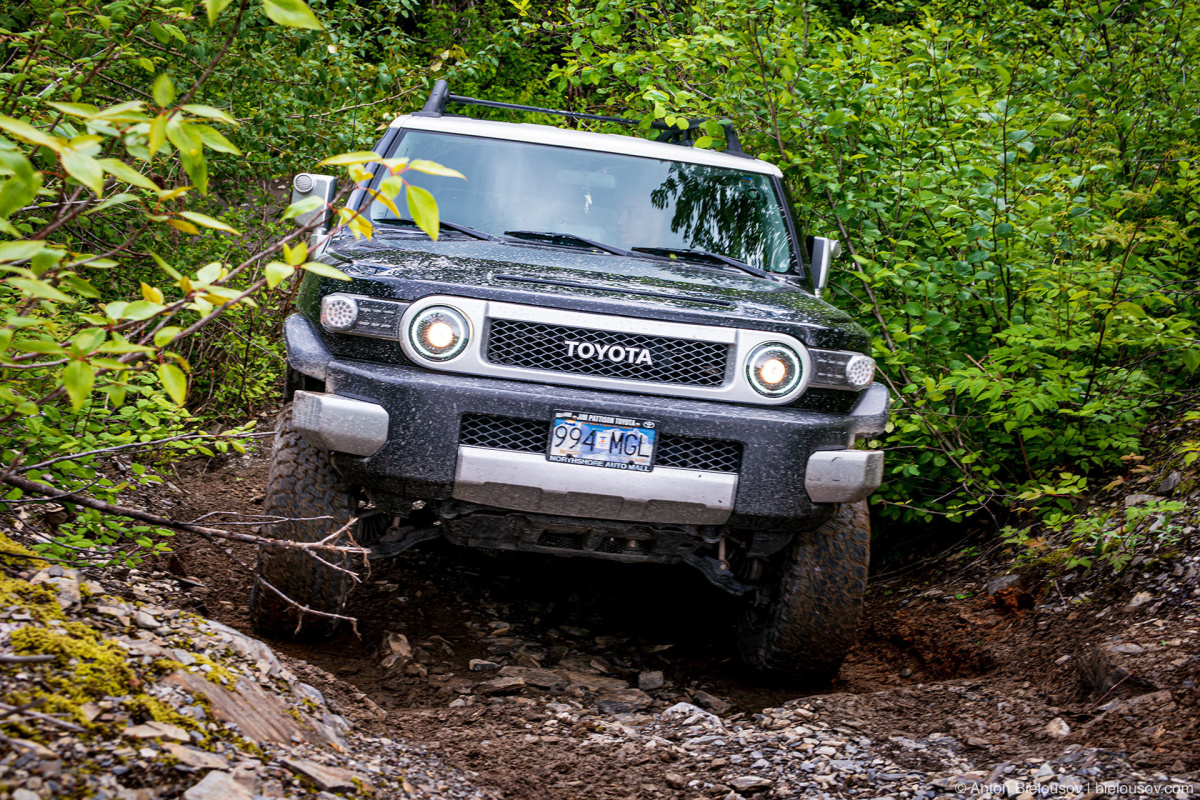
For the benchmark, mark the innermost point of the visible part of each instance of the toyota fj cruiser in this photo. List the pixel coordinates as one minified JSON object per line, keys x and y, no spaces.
{"x":615,"y":349}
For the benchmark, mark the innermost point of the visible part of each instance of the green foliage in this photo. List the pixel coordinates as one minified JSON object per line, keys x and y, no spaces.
{"x":113,"y":264}
{"x":1016,"y":188}
{"x":1101,"y":540}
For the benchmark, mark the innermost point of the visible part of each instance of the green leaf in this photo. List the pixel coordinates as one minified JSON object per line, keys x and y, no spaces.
{"x":305,"y":206}
{"x":82,"y":110}
{"x":424,"y":210}
{"x":20,"y":250}
{"x":39,"y":346}
{"x":20,"y":188}
{"x":80,"y":286}
{"x":174,"y":381}
{"x":186,"y":138}
{"x":83,"y":168}
{"x":358,"y":157}
{"x":197,"y":171}
{"x":163,"y":90}
{"x":39,"y":289}
{"x":214,"y":140}
{"x":27,"y":133}
{"x":123,"y":172}
{"x":209,"y":112}
{"x":140,"y":310}
{"x":434,"y":168}
{"x":214,"y":8}
{"x":208,"y":222}
{"x":210,"y":272}
{"x":116,"y":199}
{"x":325,"y":271}
{"x":277,"y":272}
{"x":292,"y":13}
{"x":78,"y":379}
{"x":158,"y":134}
{"x":120,"y":345}
{"x":164,"y":337}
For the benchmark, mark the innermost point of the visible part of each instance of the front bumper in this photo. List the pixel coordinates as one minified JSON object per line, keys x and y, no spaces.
{"x":782,"y":481}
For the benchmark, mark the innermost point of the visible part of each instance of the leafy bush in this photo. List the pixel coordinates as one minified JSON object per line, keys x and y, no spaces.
{"x":98,"y":300}
{"x":1016,"y":188}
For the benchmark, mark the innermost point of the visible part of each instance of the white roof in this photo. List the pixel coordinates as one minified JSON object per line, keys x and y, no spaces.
{"x":584,"y":140}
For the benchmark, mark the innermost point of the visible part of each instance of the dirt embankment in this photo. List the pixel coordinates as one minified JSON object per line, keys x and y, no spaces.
{"x":513,"y":666}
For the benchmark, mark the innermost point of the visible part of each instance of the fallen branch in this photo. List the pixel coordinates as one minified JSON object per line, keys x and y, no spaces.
{"x":25,"y":709}
{"x":212,"y":535}
{"x":44,"y":490}
{"x":24,"y":660}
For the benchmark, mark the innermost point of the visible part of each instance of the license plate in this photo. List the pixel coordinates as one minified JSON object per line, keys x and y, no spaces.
{"x":601,"y":440}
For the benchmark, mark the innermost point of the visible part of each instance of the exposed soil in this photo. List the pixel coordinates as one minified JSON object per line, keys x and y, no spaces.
{"x":936,"y":655}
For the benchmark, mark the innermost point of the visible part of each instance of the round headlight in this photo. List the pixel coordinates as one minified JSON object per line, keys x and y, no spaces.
{"x":774,"y":369}
{"x":860,"y":372}
{"x":439,"y":333}
{"x":338,"y":312}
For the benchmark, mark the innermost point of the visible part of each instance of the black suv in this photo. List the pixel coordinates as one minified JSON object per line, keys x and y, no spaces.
{"x":615,"y":349}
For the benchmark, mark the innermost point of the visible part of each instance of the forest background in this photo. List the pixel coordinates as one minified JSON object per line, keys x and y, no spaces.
{"x":1015,"y":184}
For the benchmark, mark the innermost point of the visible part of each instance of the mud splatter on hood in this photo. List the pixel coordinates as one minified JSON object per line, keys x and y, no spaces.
{"x":409,"y":268}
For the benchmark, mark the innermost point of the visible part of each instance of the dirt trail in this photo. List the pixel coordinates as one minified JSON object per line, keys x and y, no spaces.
{"x":996,"y":672}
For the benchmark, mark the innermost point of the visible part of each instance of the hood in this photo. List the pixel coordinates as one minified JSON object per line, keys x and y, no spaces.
{"x":405,"y":268}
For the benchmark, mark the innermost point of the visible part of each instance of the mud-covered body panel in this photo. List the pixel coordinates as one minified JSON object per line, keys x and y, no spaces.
{"x":406,"y":268}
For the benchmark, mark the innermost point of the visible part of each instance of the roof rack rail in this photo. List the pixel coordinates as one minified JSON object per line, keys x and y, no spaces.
{"x":435,"y":106}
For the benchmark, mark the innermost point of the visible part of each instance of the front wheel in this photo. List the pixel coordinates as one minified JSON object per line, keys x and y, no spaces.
{"x":804,"y":628}
{"x":302,"y":486}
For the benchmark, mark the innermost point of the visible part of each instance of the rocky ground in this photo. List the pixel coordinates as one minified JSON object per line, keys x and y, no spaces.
{"x":476,"y":675}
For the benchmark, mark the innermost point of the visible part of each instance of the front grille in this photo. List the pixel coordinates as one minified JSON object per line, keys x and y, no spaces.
{"x":565,"y":541}
{"x":529,"y":436}
{"x":504,"y":433}
{"x":533,"y":345}
{"x":710,"y":455}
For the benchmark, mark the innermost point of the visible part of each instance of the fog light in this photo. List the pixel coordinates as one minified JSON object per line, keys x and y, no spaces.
{"x":439,"y":333}
{"x":774,"y":369}
{"x":860,"y":372}
{"x":338,"y":312}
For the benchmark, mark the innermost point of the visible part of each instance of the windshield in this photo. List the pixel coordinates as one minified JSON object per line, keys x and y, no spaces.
{"x":621,"y":201}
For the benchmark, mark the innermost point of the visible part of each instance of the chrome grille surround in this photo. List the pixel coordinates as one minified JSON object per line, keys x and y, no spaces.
{"x":737,"y":342}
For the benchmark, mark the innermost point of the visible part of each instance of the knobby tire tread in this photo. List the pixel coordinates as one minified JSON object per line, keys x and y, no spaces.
{"x":301,"y":483}
{"x":812,"y":622}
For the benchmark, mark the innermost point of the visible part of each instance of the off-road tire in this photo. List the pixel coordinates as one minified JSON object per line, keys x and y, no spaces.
{"x":301,"y":483}
{"x":802,"y":631}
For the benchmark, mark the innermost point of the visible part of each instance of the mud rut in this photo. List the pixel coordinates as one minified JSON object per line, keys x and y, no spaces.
{"x":984,"y":675}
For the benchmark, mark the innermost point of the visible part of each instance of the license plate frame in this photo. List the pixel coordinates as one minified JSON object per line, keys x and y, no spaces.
{"x":606,"y":440}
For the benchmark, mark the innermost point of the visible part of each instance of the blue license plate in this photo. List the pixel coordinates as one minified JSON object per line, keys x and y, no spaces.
{"x":603,"y":440}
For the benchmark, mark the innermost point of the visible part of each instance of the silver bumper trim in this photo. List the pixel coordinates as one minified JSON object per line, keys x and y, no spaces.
{"x":529,"y":482}
{"x":331,"y":422}
{"x":843,"y":476}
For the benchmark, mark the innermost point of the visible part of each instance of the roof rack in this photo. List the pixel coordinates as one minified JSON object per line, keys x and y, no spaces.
{"x":435,"y":106}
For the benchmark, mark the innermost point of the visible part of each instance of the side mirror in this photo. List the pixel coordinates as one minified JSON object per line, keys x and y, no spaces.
{"x":821,"y":253}
{"x":307,"y":184}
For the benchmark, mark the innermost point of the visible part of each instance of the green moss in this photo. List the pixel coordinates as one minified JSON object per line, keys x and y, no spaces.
{"x":14,"y":555}
{"x":40,"y":601}
{"x":218,"y":672}
{"x":88,"y":667}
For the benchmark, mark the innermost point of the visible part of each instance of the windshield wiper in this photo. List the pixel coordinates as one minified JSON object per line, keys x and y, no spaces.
{"x":450,"y":226}
{"x":684,"y":253}
{"x":568,"y":239}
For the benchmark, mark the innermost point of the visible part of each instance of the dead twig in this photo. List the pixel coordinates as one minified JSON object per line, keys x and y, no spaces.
{"x":24,"y":660}
{"x":25,"y":709}
{"x":214,"y":535}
